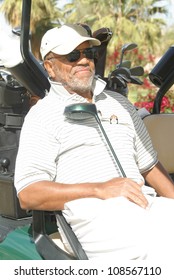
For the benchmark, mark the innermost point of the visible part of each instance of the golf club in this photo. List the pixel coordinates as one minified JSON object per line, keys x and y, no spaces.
{"x":116,"y":81}
{"x":126,"y":47}
{"x":83,"y":111}
{"x":135,"y":80}
{"x":125,"y":63}
{"x":122,"y":70}
{"x":104,"y":35}
{"x":137,"y":71}
{"x":126,"y":75}
{"x":121,"y":73}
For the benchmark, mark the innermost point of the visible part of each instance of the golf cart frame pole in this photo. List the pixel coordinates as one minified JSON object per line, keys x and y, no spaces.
{"x":166,"y":85}
{"x":33,"y":65}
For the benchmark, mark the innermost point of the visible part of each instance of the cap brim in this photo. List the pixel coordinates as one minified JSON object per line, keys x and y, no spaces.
{"x":67,"y":48}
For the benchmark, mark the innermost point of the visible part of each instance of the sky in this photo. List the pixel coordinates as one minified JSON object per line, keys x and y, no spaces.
{"x":170,"y":18}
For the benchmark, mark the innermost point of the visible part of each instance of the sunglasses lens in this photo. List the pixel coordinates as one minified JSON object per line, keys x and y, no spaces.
{"x":73,"y":56}
{"x":89,"y":53}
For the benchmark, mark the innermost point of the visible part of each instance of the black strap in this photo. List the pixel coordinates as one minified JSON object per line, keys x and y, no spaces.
{"x":71,"y":237}
{"x":44,"y":244}
{"x":10,"y":120}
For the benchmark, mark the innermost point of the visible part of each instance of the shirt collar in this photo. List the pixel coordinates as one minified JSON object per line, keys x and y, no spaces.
{"x":97,"y":87}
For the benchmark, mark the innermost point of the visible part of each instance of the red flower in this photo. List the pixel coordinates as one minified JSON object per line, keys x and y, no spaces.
{"x":143,"y":104}
{"x":151,"y":58}
{"x":149,"y":106}
{"x":140,"y":57}
{"x":146,"y":83}
{"x":116,"y":54}
{"x":165,"y":102}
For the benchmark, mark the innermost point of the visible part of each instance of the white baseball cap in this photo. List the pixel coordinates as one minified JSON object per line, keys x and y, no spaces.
{"x":65,"y":39}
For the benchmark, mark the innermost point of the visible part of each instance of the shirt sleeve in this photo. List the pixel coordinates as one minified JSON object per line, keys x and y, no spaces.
{"x":146,"y":155}
{"x":33,"y":163}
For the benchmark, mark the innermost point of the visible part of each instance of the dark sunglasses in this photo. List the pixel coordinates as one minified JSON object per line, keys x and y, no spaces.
{"x":90,"y":53}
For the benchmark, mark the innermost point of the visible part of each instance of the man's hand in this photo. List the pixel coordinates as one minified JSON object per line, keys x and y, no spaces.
{"x":123,"y":187}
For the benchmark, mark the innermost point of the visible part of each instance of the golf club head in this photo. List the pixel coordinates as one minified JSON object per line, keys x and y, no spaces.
{"x":128,"y":47}
{"x":124,"y":78}
{"x":80,"y":111}
{"x":137,"y":71}
{"x":125,"y":63}
{"x":135,"y":80}
{"x":103,"y":34}
{"x":17,"y":31}
{"x":120,"y":71}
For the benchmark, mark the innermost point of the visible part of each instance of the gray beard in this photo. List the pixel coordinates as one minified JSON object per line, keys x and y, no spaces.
{"x":81,"y":86}
{"x":76,"y":85}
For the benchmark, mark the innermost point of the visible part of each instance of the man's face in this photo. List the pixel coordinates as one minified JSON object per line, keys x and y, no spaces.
{"x":75,"y":76}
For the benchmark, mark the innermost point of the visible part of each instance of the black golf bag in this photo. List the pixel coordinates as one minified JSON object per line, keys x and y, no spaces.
{"x":14,"y":104}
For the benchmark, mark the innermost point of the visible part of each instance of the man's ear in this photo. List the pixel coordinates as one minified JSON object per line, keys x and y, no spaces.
{"x":49,"y":68}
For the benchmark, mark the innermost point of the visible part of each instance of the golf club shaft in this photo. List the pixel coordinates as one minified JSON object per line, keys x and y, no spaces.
{"x":110,"y":146}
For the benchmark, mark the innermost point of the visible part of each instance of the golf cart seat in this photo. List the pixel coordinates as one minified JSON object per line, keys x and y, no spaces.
{"x":161,"y":130}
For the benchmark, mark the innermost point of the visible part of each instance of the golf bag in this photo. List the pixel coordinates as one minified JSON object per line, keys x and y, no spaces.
{"x":14,"y":103}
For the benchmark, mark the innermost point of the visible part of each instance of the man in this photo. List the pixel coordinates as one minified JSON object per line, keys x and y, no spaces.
{"x":66,"y":164}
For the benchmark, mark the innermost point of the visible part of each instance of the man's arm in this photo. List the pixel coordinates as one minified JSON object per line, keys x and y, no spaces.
{"x":46,"y":195}
{"x":159,"y":179}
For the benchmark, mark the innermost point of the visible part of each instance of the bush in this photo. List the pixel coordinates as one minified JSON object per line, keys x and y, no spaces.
{"x":147,"y":95}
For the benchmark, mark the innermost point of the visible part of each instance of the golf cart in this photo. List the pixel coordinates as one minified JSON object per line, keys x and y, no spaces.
{"x":31,"y":235}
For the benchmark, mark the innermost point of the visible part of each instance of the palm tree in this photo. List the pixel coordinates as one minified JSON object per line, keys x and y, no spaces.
{"x":130,"y":21}
{"x":44,"y":14}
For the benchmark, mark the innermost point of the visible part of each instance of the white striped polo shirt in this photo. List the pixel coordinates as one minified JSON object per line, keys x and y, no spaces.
{"x":55,"y":148}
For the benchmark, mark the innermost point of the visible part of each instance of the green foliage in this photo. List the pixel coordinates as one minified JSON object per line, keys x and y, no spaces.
{"x":129,"y":20}
{"x":41,"y":10}
{"x":146,"y":100}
